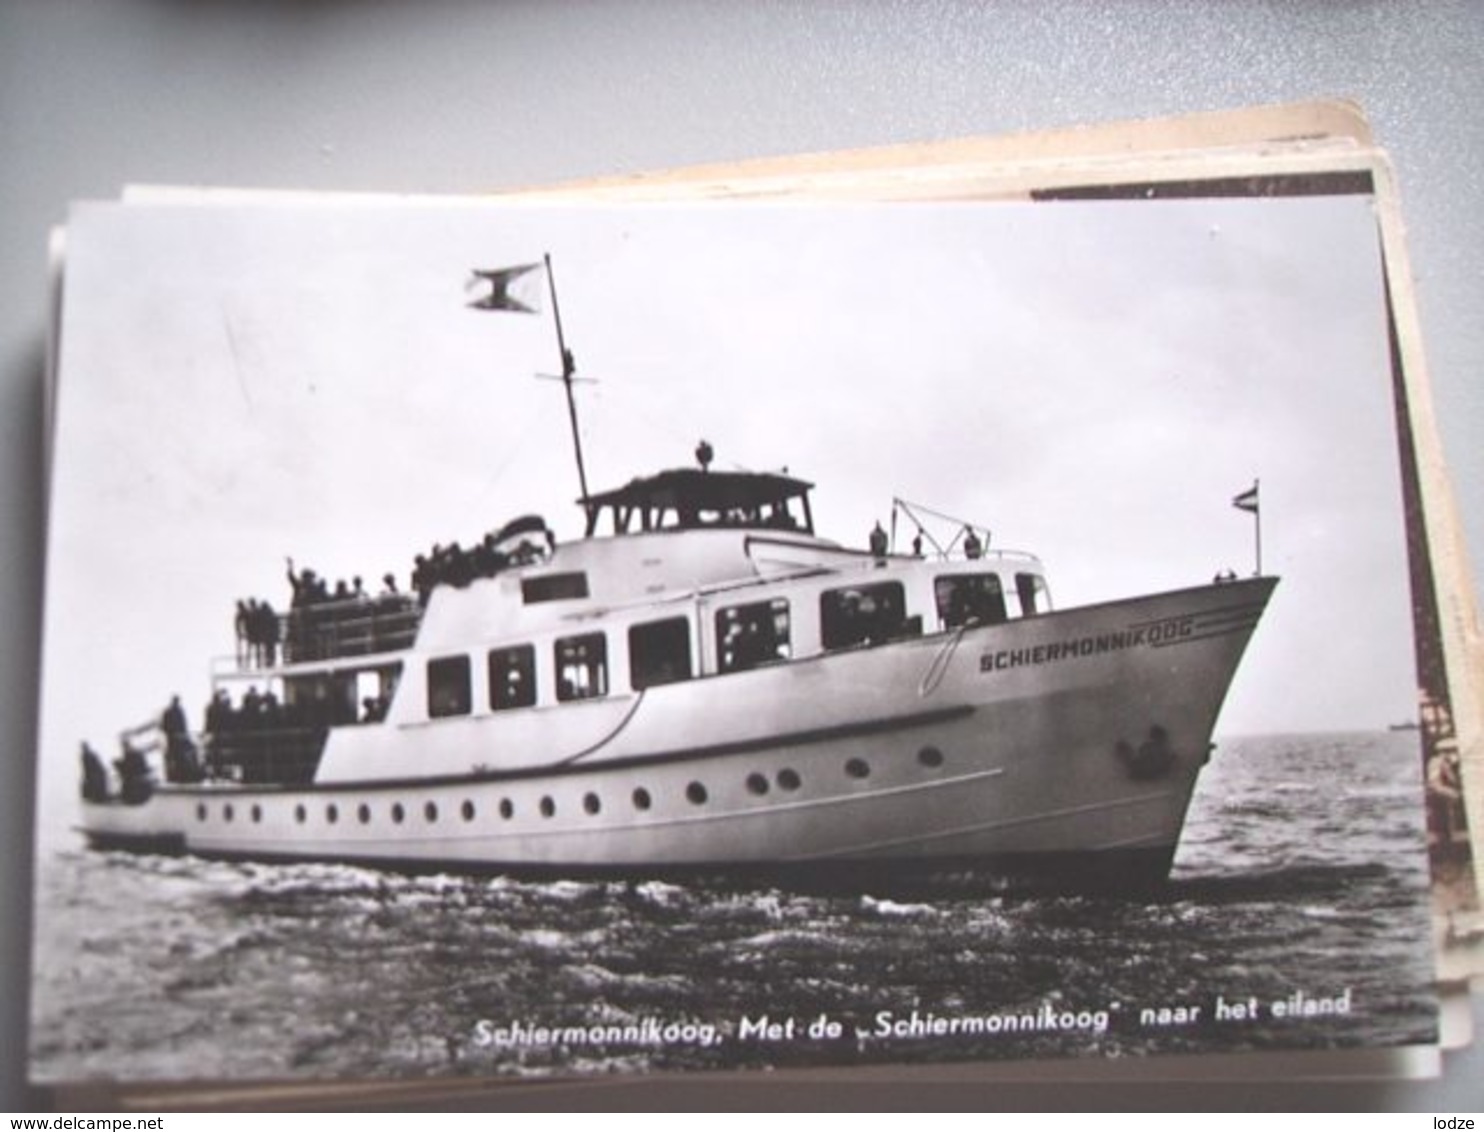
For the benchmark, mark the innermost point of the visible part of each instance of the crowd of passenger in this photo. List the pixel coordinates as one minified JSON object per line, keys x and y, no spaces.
{"x":324,"y":621}
{"x":182,"y":758}
{"x":453,"y":565}
{"x":260,"y":739}
{"x":344,"y":619}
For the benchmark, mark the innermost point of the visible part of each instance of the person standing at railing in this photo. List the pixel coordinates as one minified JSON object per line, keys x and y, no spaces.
{"x":264,"y":634}
{"x":973,"y":548}
{"x":94,"y":776}
{"x":181,"y":761}
{"x":244,"y":627}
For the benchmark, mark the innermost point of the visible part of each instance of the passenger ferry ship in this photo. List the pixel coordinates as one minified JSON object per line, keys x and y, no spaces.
{"x":703,"y":684}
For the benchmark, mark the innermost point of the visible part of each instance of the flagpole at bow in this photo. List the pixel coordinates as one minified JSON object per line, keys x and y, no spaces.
{"x":1249,"y":501}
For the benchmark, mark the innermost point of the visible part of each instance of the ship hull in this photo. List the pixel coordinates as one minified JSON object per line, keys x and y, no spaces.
{"x":1063,"y":746}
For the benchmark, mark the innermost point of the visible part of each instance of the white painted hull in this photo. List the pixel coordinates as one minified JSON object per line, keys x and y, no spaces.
{"x":1076,"y":736}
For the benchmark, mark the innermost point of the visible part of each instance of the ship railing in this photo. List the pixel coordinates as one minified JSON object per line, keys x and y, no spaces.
{"x":1013,"y":557}
{"x":282,"y":755}
{"x":331,"y":630}
{"x":246,"y":754}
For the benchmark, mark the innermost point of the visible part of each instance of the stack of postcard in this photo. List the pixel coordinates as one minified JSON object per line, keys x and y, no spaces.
{"x":989,"y":608}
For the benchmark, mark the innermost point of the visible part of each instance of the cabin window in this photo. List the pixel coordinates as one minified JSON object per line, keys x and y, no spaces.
{"x":861,"y":615}
{"x":1031,"y":589}
{"x":963,"y":598}
{"x":752,"y":634}
{"x":512,"y":677}
{"x":582,"y":667}
{"x":448,"y":687}
{"x":659,"y":653}
{"x":553,"y":587}
{"x":778,"y":514}
{"x":373,"y":691}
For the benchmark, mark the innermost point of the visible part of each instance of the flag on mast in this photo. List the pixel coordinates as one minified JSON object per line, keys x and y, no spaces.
{"x":510,"y":289}
{"x":1247,"y":501}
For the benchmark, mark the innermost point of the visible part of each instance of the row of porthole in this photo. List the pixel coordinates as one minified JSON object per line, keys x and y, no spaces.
{"x":786,"y":779}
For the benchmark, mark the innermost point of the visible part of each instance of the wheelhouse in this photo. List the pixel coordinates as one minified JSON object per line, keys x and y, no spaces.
{"x":691,"y":498}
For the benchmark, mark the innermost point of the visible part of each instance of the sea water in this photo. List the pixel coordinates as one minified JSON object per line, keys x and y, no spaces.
{"x":1297,"y":917}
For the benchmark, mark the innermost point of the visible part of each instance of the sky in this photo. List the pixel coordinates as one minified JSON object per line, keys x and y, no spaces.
{"x":1092,"y":381}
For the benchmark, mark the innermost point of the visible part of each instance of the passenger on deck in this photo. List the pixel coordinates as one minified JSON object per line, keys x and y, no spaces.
{"x":973,"y":548}
{"x":422,"y":578}
{"x":878,"y":540}
{"x":94,"y":776}
{"x":136,"y":780}
{"x":263,"y":633}
{"x":219,"y":723}
{"x":302,"y":583}
{"x":243,"y":625}
{"x":182,"y":763}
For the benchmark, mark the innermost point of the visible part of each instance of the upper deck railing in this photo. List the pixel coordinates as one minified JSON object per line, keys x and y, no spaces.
{"x":332,"y":630}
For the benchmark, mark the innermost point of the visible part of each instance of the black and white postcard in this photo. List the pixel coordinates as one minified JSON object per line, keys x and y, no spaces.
{"x":504,"y":640}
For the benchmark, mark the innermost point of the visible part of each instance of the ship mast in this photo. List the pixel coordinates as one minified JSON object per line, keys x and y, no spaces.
{"x":569,"y":369}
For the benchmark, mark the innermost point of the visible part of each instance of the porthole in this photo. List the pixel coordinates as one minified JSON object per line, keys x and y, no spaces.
{"x":300,"y":814}
{"x":398,"y":813}
{"x":757,"y":783}
{"x":548,"y":807}
{"x":857,"y":768}
{"x":201,"y":812}
{"x":364,"y":813}
{"x":642,"y":800}
{"x":930,"y":757}
{"x":507,"y":808}
{"x":591,"y":803}
{"x":430,"y":811}
{"x":332,"y":814}
{"x":257,"y":813}
{"x":789,"y":779}
{"x":696,"y":793}
{"x":228,"y":813}
{"x":466,"y":811}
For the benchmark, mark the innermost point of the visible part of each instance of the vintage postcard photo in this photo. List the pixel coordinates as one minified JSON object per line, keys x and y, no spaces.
{"x":492,"y":640}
